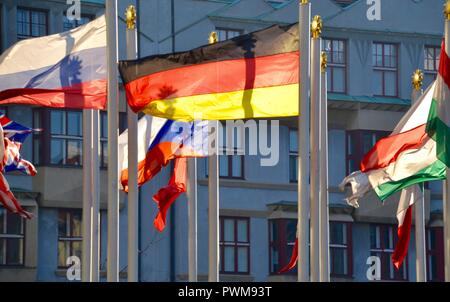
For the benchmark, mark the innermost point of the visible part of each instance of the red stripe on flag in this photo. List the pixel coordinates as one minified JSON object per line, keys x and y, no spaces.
{"x":155,"y":159}
{"x":88,"y":95}
{"x":404,"y":234}
{"x":444,"y":65}
{"x":167,"y":195}
{"x":387,"y":150}
{"x":216,"y":77}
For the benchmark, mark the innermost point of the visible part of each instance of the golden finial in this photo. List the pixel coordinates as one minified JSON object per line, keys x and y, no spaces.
{"x":130,"y":16}
{"x":447,"y":10}
{"x":316,"y":27}
{"x":323,"y":61}
{"x":417,"y":79}
{"x":304,"y":1}
{"x":213,"y":38}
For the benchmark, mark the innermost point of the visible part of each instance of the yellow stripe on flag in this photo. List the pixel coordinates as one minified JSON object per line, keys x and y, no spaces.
{"x":268,"y":102}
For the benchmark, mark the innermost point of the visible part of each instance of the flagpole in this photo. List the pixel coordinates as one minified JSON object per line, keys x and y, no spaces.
{"x":419,"y":206}
{"x":192,"y":216}
{"x":303,"y":201}
{"x":446,"y":205}
{"x":316,"y":26}
{"x":133,"y":200}
{"x":113,"y":160}
{"x":87,"y":196}
{"x":213,"y":192}
{"x":324,"y":219}
{"x":95,"y":190}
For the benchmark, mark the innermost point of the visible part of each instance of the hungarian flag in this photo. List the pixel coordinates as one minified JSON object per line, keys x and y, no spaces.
{"x":251,"y":76}
{"x":415,"y":152}
{"x":65,"y":70}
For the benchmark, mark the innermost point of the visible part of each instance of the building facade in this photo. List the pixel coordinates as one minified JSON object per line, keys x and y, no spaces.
{"x":369,"y":89}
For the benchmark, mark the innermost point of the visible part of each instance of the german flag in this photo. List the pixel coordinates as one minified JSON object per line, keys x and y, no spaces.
{"x":251,"y":76}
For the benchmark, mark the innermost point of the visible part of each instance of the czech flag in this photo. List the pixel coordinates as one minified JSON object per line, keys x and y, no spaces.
{"x":66,"y":70}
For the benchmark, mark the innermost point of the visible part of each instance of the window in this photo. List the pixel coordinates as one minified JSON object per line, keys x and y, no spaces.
{"x":69,"y":235}
{"x":293,"y":155}
{"x":234,"y":245}
{"x":435,"y":254}
{"x":382,"y":243}
{"x":226,"y":33}
{"x":12,"y":235}
{"x":71,"y":24}
{"x":431,"y":64}
{"x":282,"y":235}
{"x":385,"y":68}
{"x":341,"y":249}
{"x":66,"y":142}
{"x":337,"y":65}
{"x":63,"y":144}
{"x":31,"y":23}
{"x":231,"y":160}
{"x":359,"y":142}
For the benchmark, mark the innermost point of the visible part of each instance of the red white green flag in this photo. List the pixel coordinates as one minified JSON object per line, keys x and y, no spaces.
{"x":415,"y":152}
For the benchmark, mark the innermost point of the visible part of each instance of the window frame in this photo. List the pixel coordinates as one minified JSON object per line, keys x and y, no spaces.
{"x":31,"y":10}
{"x":432,"y":72}
{"x":44,"y":138}
{"x":331,"y":65}
{"x":437,"y":251}
{"x":227,"y":30}
{"x":87,"y":16}
{"x":70,"y":238}
{"x":348,"y":247}
{"x":383,"y":250}
{"x":357,"y":136}
{"x":236,"y":244}
{"x":6,"y":236}
{"x":384,"y":69}
{"x":282,"y":243}
{"x":292,"y":154}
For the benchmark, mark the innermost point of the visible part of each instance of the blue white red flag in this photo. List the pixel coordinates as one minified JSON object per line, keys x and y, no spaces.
{"x":159,"y":142}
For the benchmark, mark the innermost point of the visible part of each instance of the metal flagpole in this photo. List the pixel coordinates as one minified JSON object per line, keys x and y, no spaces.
{"x":303,"y":141}
{"x":133,"y":200}
{"x":113,"y":134}
{"x":419,"y":206}
{"x":323,"y":171}
{"x":446,"y":203}
{"x":213,"y":192}
{"x":87,"y":196}
{"x":316,"y":26}
{"x":192,"y":216}
{"x":95,"y":190}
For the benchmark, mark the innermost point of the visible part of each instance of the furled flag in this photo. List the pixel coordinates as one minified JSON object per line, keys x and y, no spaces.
{"x":415,"y":151}
{"x":250,"y":76}
{"x":7,"y":198}
{"x":65,"y":70}
{"x":159,"y":141}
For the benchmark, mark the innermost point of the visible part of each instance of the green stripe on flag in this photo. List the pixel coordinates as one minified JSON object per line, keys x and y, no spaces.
{"x":435,"y":171}
{"x":439,"y":132}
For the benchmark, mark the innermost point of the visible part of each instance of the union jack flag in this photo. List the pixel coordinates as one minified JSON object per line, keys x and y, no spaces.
{"x":12,"y":135}
{"x":15,"y":135}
